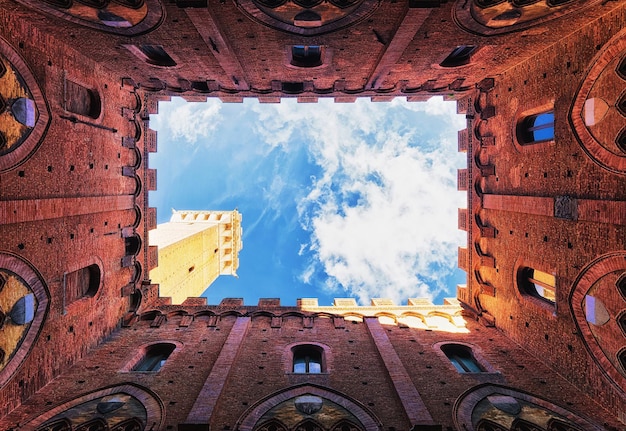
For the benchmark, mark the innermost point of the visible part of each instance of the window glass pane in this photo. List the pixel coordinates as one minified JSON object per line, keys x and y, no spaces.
{"x":299,"y":365}
{"x":457,"y":364}
{"x":544,"y":277}
{"x":545,"y":292}
{"x":470,"y":365}
{"x":315,"y":367}
{"x":541,"y":119}
{"x":545,"y":134}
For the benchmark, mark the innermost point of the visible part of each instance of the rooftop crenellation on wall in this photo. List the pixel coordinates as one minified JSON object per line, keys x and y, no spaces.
{"x":92,"y":340}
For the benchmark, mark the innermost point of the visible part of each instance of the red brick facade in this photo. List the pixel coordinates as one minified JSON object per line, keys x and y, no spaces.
{"x":78,"y":82}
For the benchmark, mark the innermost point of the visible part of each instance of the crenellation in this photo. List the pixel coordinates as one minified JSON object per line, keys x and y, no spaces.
{"x":91,"y":337}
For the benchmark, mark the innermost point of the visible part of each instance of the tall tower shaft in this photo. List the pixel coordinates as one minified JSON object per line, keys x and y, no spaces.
{"x":195,"y":247}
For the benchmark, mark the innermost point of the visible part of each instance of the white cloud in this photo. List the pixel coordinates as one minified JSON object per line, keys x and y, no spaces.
{"x":191,"y":121}
{"x":383,"y":213}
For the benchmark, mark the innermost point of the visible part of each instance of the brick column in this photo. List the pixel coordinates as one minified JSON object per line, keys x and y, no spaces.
{"x":405,"y":34}
{"x":411,"y":400}
{"x":200,"y":414}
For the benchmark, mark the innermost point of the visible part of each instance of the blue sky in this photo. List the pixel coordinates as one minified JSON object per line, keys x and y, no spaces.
{"x":338,"y":200}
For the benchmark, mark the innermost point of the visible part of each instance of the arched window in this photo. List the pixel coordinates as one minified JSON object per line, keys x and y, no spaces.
{"x":306,"y":55}
{"x":156,"y":55}
{"x":155,"y":357}
{"x":462,"y":358}
{"x":459,"y":56}
{"x":307,"y":359}
{"x":81,"y":100}
{"x":538,"y":284}
{"x":81,"y":283}
{"x":536,"y":128}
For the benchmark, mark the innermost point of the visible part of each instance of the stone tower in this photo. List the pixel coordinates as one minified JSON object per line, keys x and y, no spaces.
{"x":195,"y":247}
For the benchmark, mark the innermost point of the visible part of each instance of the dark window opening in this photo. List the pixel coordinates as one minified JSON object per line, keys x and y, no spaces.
{"x":129,"y":425}
{"x":156,"y":55}
{"x":63,"y":4}
{"x":272,"y":3}
{"x":620,"y":141}
{"x":293,"y":87}
{"x":307,"y":359}
{"x":133,"y":4}
{"x":155,"y":357}
{"x":621,"y":68}
{"x":200,"y":86}
{"x":621,"y":104}
{"x":557,"y":425}
{"x":132,"y":244}
{"x":81,"y":100}
{"x":462,"y":358}
{"x":98,"y":4}
{"x":271,"y":425}
{"x":341,"y":4}
{"x":307,"y":4}
{"x":621,"y":285}
{"x":3,"y":143}
{"x":538,"y":284}
{"x":82,"y":283}
{"x":309,"y":425}
{"x":621,"y":357}
{"x":536,"y":128}
{"x":485,"y":425}
{"x":306,"y":56}
{"x":135,"y":300}
{"x":558,"y":2}
{"x":94,"y":425}
{"x":459,"y":56}
{"x":621,"y":322}
{"x":59,"y":425}
{"x":487,"y":3}
{"x":522,"y":3}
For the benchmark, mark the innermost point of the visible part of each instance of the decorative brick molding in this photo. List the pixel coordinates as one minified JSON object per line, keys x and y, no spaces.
{"x":35,"y":283}
{"x":599,"y":153}
{"x":153,"y":10}
{"x":249,"y":419}
{"x":469,"y":16}
{"x":30,"y":144}
{"x":611,"y":263}
{"x":206,"y":400}
{"x":412,"y":402}
{"x":151,"y":402}
{"x":464,"y":408}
